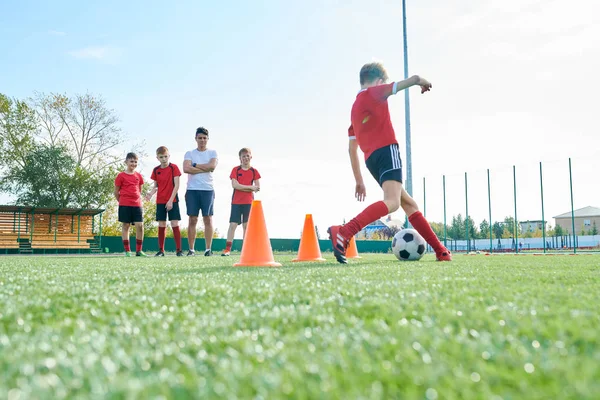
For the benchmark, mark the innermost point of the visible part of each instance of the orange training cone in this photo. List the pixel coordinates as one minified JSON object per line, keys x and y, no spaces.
{"x":256,"y":249}
{"x":309,"y":243}
{"x":352,"y":251}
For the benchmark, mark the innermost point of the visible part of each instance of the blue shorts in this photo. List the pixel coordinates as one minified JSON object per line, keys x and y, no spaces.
{"x":196,"y":200}
{"x":385,"y":164}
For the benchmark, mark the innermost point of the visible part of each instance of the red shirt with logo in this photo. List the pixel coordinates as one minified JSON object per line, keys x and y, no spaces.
{"x":165,"y":179}
{"x":371,"y":124}
{"x":129,"y":189}
{"x":244,"y":177}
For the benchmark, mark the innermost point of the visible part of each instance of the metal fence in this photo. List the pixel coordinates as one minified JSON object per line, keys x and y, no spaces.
{"x":530,"y":191}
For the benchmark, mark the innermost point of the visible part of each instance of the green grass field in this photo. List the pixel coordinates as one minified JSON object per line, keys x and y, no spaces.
{"x":510,"y":327}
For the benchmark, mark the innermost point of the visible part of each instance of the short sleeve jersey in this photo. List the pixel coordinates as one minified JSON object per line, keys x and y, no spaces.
{"x":165,"y":179}
{"x":129,"y":189}
{"x":371,"y":124}
{"x":244,"y":177}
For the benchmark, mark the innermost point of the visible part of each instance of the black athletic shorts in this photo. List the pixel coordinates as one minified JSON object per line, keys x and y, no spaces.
{"x":130,"y":214}
{"x":239,"y":213}
{"x":385,"y":164}
{"x":173,"y":213}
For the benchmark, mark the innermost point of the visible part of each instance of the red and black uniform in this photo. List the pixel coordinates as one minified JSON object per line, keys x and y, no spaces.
{"x":242,"y":201}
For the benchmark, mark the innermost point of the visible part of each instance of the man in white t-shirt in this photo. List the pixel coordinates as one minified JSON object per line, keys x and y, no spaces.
{"x":199,"y":164}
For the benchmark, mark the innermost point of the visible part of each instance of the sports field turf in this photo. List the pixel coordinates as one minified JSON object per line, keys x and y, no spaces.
{"x":508,"y":327}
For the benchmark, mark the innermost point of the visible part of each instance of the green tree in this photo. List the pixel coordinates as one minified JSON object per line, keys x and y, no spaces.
{"x":509,"y":227}
{"x":44,"y":179}
{"x":558,"y":231}
{"x":17,"y":130}
{"x":498,"y":229}
{"x":438,"y":229}
{"x":484,"y":229}
{"x":473,"y":231}
{"x":594,"y":230}
{"x":457,"y":228}
{"x":81,"y":130}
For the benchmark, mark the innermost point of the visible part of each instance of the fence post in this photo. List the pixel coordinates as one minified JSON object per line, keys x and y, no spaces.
{"x":424,"y":200}
{"x":444,"y":187}
{"x":543,"y":219}
{"x":490,"y":210}
{"x":572,"y":209}
{"x":467,"y":215}
{"x":516,"y":231}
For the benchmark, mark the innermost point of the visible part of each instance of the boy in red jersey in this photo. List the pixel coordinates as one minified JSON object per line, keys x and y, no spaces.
{"x":166,"y":183}
{"x":128,"y":189}
{"x":371,"y":130}
{"x":245,"y":180}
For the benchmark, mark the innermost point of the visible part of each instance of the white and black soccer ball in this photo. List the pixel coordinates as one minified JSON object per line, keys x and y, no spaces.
{"x":408,"y":245}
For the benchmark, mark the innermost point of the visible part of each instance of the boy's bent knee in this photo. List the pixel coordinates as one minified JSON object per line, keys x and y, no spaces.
{"x":392,"y":204}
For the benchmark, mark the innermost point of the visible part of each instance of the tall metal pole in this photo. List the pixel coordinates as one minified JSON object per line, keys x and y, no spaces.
{"x":467,"y":215}
{"x":407,"y":108}
{"x":572,"y":209}
{"x":424,"y":200}
{"x":490,"y":209}
{"x":543,"y":219}
{"x":444,"y":189}
{"x":516,"y":232}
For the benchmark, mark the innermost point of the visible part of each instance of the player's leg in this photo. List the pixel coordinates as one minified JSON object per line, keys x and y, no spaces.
{"x":161,"y":218}
{"x":385,"y":166}
{"x":139,"y":231}
{"x":192,"y":222}
{"x":234,"y":220}
{"x":230,"y":235}
{"x":192,"y":201}
{"x":125,"y":238}
{"x":125,"y":218}
{"x":418,"y":221}
{"x":245,"y":216}
{"x":207,"y":206}
{"x":174,"y":217}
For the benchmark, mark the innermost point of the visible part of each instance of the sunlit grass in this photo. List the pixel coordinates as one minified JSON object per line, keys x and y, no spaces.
{"x":479,"y":327}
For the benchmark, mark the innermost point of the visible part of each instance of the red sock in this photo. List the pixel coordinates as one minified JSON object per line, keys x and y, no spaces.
{"x":228,"y":246}
{"x":418,"y":221}
{"x":138,"y":244}
{"x":126,"y":245}
{"x":161,"y":238}
{"x":177,"y":237}
{"x":370,"y":214}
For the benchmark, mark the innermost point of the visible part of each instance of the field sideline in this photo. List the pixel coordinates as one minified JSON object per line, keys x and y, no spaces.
{"x":480,"y":327}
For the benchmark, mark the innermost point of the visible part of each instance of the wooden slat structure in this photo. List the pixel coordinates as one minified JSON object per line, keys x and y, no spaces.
{"x":25,"y":229}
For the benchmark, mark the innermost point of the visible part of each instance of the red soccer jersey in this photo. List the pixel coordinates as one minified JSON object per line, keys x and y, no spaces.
{"x":165,"y":179}
{"x":129,"y":189}
{"x":371,"y":123}
{"x":244,"y":177}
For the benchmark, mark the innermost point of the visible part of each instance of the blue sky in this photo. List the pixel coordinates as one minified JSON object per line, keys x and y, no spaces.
{"x":514,"y":84}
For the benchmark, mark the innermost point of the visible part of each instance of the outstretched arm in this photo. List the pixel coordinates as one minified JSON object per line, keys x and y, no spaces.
{"x":384,"y":91}
{"x":412,"y":81}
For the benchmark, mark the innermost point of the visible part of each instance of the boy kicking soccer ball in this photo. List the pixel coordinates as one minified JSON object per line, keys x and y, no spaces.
{"x":371,"y":129}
